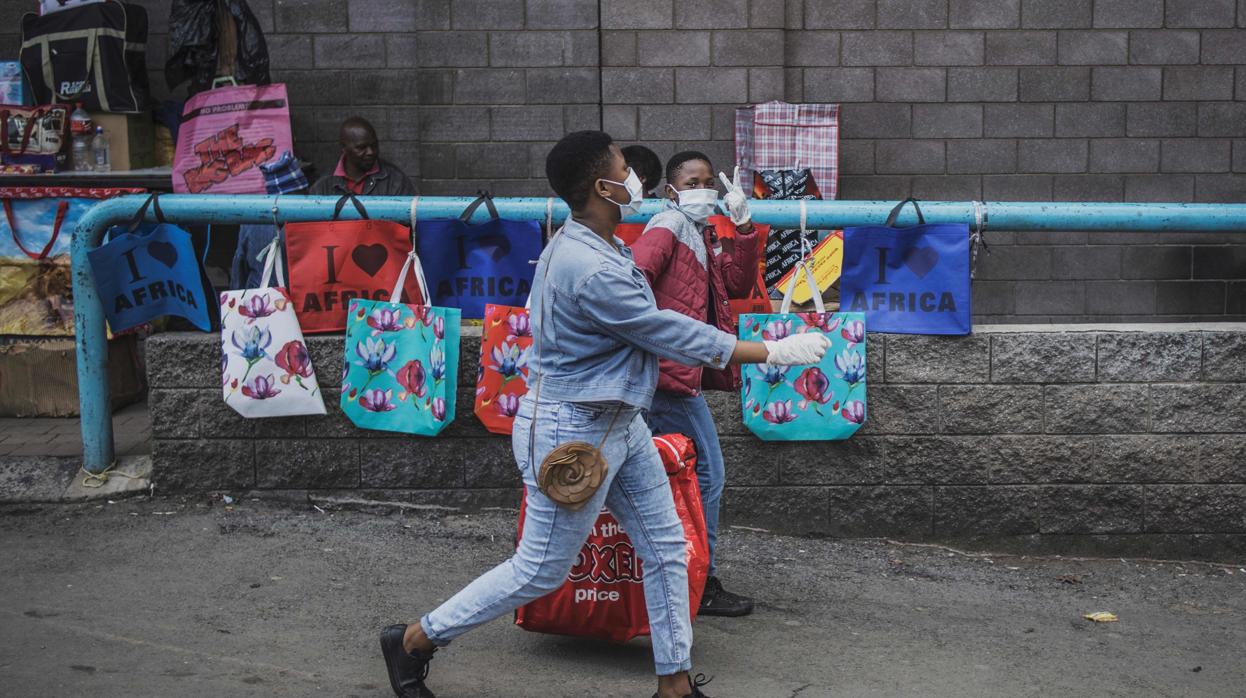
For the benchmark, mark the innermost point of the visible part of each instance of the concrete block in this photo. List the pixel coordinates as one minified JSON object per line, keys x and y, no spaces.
{"x":486,"y":14}
{"x":1015,"y":262}
{"x":1156,"y":262}
{"x":1159,"y":188}
{"x":450,"y":124}
{"x":389,"y":463}
{"x":432,"y":14}
{"x":581,"y":117}
{"x":947,"y":47}
{"x":1056,"y":14}
{"x":972,"y":511}
{"x":383,"y":16}
{"x":1136,"y":357}
{"x":709,"y":14}
{"x":1043,"y":358}
{"x":1224,"y":46}
{"x":856,"y":461}
{"x":875,"y":120}
{"x":764,"y":85}
{"x":992,"y":409}
{"x":672,"y":48}
{"x":287,"y":51}
{"x":1200,"y":13}
{"x":173,"y":413}
{"x":402,"y":51}
{"x":487,"y":160}
{"x":795,"y":510}
{"x":1128,"y":13}
{"x":1219,"y":188}
{"x":452,"y":49}
{"x":839,"y":14}
{"x":994,"y":297}
{"x":755,"y":47}
{"x":1195,"y":155}
{"x":768,"y":14}
{"x":561,"y":14}
{"x":876,"y":357}
{"x":1084,"y":119}
{"x":1094,"y":48}
{"x":307,"y":463}
{"x":1097,"y":409}
{"x":384,"y":86}
{"x":930,"y":359}
{"x":1166,"y":47}
{"x":638,"y":85}
{"x":947,"y":187}
{"x":1194,"y":83}
{"x":1224,"y":356}
{"x":1222,"y":458}
{"x":982,"y":84}
{"x":1063,"y":84}
{"x":947,"y":121}
{"x":910,"y":84}
{"x":637,"y":14}
{"x":684,"y":122}
{"x":981,"y":156}
{"x":198,"y":465}
{"x":909,"y":157}
{"x":984,"y":14}
{"x":1050,"y":298}
{"x":939,"y":460}
{"x":530,"y":123}
{"x":810,"y":48}
{"x":1198,"y":408}
{"x":1161,"y":120}
{"x":1055,"y":156}
{"x":304,"y":16}
{"x":1021,"y":48}
{"x":1017,"y":187}
{"x":885,"y":511}
{"x":1018,"y":120}
{"x":1124,"y":155}
{"x":840,"y":85}
{"x":1222,"y":120}
{"x":877,"y":48}
{"x":912,"y":14}
{"x":1090,"y":509}
{"x":902,"y":409}
{"x":563,"y":86}
{"x":1190,"y":297}
{"x":183,"y":360}
{"x":1219,"y":263}
{"x":702,"y":85}
{"x":1196,"y":508}
{"x":1237,"y":298}
{"x":1088,"y":262}
{"x":542,"y":49}
{"x":1120,"y":297}
{"x":619,"y":48}
{"x":722,"y":118}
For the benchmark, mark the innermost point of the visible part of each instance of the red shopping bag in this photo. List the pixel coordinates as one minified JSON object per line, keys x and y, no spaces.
{"x":502,"y":377}
{"x":332,"y":262}
{"x":603,"y":596}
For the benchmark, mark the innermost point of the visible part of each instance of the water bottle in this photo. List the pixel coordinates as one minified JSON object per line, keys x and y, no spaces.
{"x":99,"y":146}
{"x":80,"y":129}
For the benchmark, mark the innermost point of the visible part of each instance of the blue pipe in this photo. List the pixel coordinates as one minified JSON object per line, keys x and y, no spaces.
{"x":92,"y":346}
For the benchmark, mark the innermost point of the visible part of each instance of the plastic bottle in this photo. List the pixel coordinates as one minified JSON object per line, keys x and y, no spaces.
{"x":99,"y":147}
{"x":80,"y":128}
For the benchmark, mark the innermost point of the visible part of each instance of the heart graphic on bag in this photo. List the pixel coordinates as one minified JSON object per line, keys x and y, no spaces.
{"x":920,"y":260}
{"x":370,"y":258}
{"x":163,"y":252}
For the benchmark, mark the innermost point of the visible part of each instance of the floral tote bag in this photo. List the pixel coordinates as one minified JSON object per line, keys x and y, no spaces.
{"x":402,"y":362}
{"x":502,"y":378}
{"x":821,"y":402}
{"x":265,"y":368}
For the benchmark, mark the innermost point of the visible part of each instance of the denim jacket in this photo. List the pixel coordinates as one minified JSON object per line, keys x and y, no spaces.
{"x":599,"y":330}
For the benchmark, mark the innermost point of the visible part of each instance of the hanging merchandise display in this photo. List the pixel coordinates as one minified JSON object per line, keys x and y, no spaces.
{"x":470,"y":266}
{"x":225,"y":136}
{"x":36,"y":295}
{"x":401,"y":362}
{"x":781,"y":136}
{"x":821,"y":402}
{"x":215,"y":38}
{"x":909,"y":280}
{"x":141,"y":276}
{"x":603,"y":596}
{"x":332,"y":262}
{"x":784,"y":247}
{"x":502,"y":377}
{"x":266,"y":370}
{"x":35,"y":136}
{"x":94,"y":53}
{"x":827,"y":262}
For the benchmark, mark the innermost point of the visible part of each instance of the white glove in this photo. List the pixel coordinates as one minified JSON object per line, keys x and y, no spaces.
{"x":734,"y":199}
{"x":798,"y":349}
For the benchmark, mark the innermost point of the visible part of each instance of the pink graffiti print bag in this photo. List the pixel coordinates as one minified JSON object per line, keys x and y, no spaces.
{"x":226,"y":134}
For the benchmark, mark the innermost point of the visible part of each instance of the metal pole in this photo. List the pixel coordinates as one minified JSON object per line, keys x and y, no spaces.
{"x":92,"y":347}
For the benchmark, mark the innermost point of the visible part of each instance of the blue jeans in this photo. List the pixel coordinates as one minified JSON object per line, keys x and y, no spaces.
{"x":690,"y":416}
{"x":638,"y":493}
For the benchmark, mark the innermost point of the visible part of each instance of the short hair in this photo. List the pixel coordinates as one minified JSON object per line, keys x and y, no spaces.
{"x":575,"y":162}
{"x":645,"y":163}
{"x":356,"y":122}
{"x":678,"y":159}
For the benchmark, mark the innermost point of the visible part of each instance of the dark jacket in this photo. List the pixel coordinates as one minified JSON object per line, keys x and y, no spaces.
{"x":390,"y":181}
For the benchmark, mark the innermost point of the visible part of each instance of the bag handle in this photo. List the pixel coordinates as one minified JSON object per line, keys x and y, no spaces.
{"x":337,"y":210}
{"x":803,"y":264}
{"x":61,"y":209}
{"x":482,"y":197}
{"x":153,"y":201}
{"x":895,"y":213}
{"x":412,"y":262}
{"x":272,"y":264}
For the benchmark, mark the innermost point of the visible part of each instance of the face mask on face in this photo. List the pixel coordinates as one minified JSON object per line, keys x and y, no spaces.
{"x":635,"y":190}
{"x":697,"y":204}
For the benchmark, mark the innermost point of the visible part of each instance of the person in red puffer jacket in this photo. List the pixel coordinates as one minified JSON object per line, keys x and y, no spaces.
{"x":695,"y":271}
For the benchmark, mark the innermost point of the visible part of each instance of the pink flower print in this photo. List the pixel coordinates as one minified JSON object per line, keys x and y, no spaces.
{"x":385,"y":319}
{"x":827,"y":322}
{"x":439,"y":409}
{"x":262,"y":388}
{"x":520,"y":325}
{"x":854,"y":411}
{"x":256,"y":307}
{"x":508,"y":405}
{"x":814,"y":387}
{"x":413,"y":377}
{"x":377,"y":400}
{"x":439,"y":327}
{"x":776,"y":330}
{"x":779,"y":412}
{"x":853,"y":332}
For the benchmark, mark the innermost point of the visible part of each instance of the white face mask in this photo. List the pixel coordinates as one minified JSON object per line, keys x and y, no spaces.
{"x":635,"y":190}
{"x":697,"y":204}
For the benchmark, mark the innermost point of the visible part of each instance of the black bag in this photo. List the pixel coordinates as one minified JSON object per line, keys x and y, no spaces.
{"x":94,"y":54}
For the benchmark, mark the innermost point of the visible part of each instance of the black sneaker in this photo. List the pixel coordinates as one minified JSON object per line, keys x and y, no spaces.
{"x":719,"y":602}
{"x":697,"y":683}
{"x":406,"y":671}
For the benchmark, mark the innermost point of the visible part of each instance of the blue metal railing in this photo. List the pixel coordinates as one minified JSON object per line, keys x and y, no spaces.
{"x":92,"y":347}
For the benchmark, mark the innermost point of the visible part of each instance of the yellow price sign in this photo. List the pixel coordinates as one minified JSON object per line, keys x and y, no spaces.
{"x":827,"y":261}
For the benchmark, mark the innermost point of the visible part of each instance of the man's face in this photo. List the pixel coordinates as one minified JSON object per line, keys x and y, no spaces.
{"x":360,"y":148}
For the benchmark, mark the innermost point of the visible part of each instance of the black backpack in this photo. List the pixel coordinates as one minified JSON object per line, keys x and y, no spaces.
{"x":94,"y":54}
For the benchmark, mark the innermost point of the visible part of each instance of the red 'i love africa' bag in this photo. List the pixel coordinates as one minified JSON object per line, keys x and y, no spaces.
{"x":332,"y":262}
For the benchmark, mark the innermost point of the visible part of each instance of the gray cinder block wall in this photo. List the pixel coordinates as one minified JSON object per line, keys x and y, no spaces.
{"x":1107,"y":100}
{"x":1106,"y":440}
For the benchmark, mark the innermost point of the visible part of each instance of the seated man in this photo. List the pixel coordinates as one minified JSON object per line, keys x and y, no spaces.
{"x":361,"y":170}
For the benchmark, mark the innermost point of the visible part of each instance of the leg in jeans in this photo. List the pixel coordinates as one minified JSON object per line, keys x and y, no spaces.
{"x":690,"y":415}
{"x":640,"y":498}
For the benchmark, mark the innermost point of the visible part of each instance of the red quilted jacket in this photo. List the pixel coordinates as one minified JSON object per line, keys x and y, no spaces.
{"x":692,"y":271}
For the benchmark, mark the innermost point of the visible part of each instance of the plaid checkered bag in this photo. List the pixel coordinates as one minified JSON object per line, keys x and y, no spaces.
{"x":283,"y":176}
{"x":781,"y":136}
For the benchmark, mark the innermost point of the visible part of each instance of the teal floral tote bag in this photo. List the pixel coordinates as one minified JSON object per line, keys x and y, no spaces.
{"x":821,"y":402}
{"x":401,"y":363}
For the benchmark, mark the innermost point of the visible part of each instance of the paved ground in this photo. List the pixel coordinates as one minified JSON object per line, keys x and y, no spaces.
{"x":189,"y":598}
{"x":62,"y":437}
